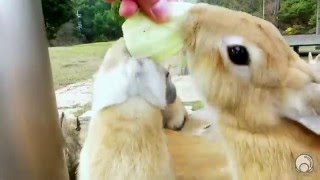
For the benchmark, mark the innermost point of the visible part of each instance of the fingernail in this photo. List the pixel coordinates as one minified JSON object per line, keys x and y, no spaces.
{"x":128,"y":8}
{"x":160,"y":10}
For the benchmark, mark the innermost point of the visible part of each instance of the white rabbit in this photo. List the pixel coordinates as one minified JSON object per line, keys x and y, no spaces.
{"x":125,"y":138}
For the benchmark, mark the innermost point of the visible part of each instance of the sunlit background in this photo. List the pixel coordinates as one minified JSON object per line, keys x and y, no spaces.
{"x":80,"y":31}
{"x":74,"y":22}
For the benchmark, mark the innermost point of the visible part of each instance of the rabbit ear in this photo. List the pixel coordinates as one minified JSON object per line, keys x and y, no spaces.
{"x":317,"y":58}
{"x":314,"y":96}
{"x":310,"y":122}
{"x":310,"y":58}
{"x":302,"y":106}
{"x":62,"y":118}
{"x":315,"y":68}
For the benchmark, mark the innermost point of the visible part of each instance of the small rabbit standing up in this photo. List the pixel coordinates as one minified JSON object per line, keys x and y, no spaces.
{"x":314,"y":89}
{"x":315,"y":60}
{"x":125,"y":138}
{"x":244,"y":67}
{"x":71,"y":130}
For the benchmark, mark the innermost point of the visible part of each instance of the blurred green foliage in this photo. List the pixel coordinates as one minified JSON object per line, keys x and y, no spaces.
{"x":100,"y":21}
{"x":56,"y":13}
{"x":297,"y":16}
{"x":294,"y":16}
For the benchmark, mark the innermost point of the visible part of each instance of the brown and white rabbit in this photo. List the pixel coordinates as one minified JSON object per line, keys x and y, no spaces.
{"x":245,"y":68}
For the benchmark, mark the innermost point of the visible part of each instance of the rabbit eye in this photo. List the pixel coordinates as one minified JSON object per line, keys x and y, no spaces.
{"x":238,"y":54}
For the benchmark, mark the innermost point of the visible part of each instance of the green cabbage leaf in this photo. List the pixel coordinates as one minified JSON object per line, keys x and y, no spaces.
{"x":145,"y":38}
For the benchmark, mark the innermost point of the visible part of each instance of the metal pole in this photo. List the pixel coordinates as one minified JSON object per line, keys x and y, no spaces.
{"x":31,"y":141}
{"x":263,"y":9}
{"x":318,"y":17}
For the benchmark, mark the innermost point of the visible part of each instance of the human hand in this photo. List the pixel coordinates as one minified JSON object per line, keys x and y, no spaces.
{"x":157,"y":10}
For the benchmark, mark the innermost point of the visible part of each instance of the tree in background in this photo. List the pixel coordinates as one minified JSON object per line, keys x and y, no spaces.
{"x":270,"y":11}
{"x":100,"y":21}
{"x":297,"y":17}
{"x":96,"y":20}
{"x":293,"y":17}
{"x":56,"y":13}
{"x":253,"y":7}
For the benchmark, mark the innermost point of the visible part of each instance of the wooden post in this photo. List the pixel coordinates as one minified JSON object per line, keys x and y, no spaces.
{"x":270,"y":10}
{"x":31,"y":142}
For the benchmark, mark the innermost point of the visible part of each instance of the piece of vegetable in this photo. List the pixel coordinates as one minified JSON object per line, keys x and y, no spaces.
{"x":145,"y":38}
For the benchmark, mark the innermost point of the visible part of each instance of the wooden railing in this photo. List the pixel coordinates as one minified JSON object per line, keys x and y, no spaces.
{"x":303,"y":40}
